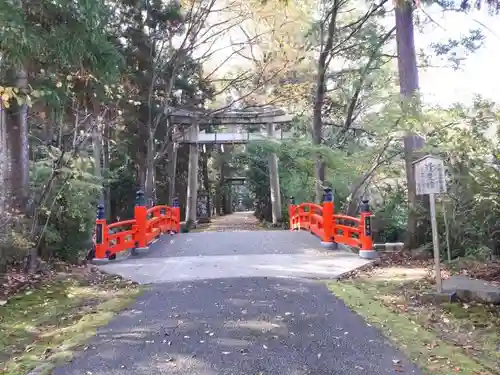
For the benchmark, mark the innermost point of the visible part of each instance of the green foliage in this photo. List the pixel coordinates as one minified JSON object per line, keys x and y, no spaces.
{"x":390,"y":216}
{"x":470,"y":149}
{"x":466,"y":138}
{"x":91,"y":63}
{"x":121,"y":178}
{"x":296,"y":172}
{"x":456,"y":50}
{"x":120,"y":62}
{"x":66,"y":208}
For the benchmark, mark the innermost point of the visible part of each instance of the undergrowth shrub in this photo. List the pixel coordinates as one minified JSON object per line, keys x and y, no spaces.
{"x":66,"y":203}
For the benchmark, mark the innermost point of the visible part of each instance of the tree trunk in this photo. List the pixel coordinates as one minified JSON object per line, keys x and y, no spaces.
{"x":218,"y":200}
{"x":171,"y":170}
{"x":105,"y":166}
{"x":323,"y":62}
{"x":220,"y":187}
{"x":17,"y":161}
{"x":408,"y":82}
{"x":274,"y":181}
{"x":4,"y":162}
{"x":317,"y":129}
{"x":4,"y":256}
{"x":97,"y":151}
{"x":149,"y":188}
{"x":17,"y":146}
{"x":141,"y":169}
{"x":206,"y":182}
{"x":192,"y":188}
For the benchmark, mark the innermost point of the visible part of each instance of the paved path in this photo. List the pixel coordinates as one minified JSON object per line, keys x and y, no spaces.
{"x":211,"y":255}
{"x":238,"y":303}
{"x":239,"y":221}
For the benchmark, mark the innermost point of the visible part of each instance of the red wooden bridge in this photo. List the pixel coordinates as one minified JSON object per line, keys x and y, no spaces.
{"x":131,"y":236}
{"x":334,"y":229}
{"x":137,"y":234}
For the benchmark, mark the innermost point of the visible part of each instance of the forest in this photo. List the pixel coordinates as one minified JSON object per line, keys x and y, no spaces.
{"x":87,"y":89}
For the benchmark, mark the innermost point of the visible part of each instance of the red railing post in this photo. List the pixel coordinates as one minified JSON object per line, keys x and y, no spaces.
{"x":141,"y":221}
{"x":328,"y":220}
{"x":310,"y":212}
{"x":101,"y":234}
{"x":365,"y":232}
{"x":291,"y":213}
{"x":176,"y":213}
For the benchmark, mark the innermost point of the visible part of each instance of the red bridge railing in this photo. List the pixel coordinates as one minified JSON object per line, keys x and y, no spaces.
{"x":332,"y":228}
{"x":135,"y":234}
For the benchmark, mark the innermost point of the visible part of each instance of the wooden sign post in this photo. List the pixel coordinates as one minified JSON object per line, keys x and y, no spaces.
{"x":430,"y":179}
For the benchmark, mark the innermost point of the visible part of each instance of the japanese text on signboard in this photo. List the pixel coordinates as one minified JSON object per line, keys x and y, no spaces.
{"x":430,"y":176}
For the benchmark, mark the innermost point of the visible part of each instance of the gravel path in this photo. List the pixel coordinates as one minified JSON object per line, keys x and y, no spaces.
{"x":239,"y":221}
{"x":238,"y":303}
{"x":212,"y":255}
{"x":249,"y":326}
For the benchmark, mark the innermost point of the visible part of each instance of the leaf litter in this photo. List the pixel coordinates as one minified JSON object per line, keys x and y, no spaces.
{"x":388,"y":295}
{"x":45,"y":316}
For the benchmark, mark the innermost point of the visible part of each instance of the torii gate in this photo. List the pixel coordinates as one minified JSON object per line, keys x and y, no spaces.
{"x":187,"y":130}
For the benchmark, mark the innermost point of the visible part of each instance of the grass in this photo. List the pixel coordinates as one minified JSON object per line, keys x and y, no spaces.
{"x":42,"y":327}
{"x":442,"y":339}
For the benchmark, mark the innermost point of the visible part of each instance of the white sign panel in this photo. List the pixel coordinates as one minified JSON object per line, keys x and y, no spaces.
{"x":430,"y":175}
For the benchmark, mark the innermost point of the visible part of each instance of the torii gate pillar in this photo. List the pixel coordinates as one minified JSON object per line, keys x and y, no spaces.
{"x":192,"y":186}
{"x":274,"y":180}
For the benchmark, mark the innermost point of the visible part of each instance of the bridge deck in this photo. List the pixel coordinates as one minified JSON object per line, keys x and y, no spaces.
{"x":239,"y":303}
{"x":212,"y":255}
